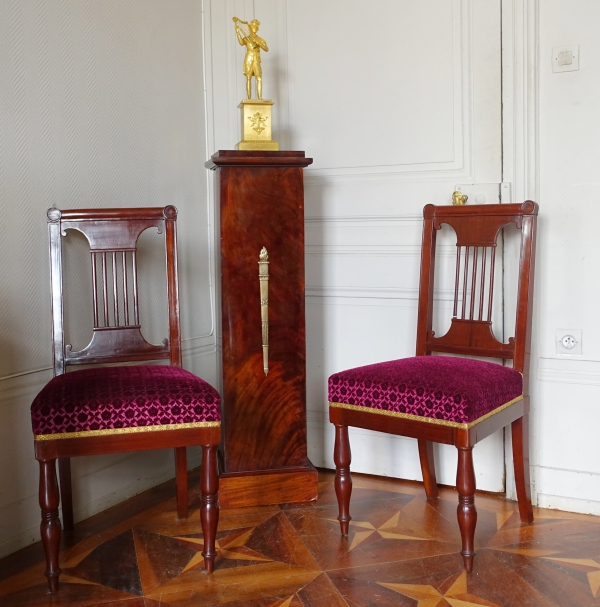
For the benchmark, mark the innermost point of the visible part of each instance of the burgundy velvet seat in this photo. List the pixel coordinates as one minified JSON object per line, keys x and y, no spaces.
{"x":438,"y":395}
{"x":113,"y":400}
{"x":439,"y":389}
{"x":109,"y":408}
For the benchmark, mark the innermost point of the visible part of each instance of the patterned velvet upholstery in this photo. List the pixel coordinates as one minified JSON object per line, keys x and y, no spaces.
{"x":114,"y":400}
{"x":443,"y":389}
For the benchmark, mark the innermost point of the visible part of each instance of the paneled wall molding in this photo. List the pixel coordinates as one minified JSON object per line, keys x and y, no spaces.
{"x":354,"y":176}
{"x":191,"y":348}
{"x":569,"y":371}
{"x":203,"y":343}
{"x":375,"y":293}
{"x":376,"y":250}
{"x":389,"y":174}
{"x":366,"y":220}
{"x":23,"y":387}
{"x":458,"y":166}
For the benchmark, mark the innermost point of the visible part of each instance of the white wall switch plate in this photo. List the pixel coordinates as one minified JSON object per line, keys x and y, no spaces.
{"x":568,"y":342}
{"x":565,"y":58}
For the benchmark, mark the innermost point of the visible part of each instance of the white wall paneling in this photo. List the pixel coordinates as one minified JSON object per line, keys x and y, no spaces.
{"x":373,"y":173}
{"x":396,"y":108}
{"x":393,"y":123}
{"x":370,"y":176}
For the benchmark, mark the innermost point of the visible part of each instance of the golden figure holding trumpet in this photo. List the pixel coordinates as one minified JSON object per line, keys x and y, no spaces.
{"x":253,"y":43}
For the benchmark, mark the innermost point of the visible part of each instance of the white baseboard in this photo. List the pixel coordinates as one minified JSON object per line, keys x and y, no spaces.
{"x":568,"y":504}
{"x":569,"y":490}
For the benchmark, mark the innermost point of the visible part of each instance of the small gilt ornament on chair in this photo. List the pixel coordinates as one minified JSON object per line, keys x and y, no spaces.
{"x":256,"y":113}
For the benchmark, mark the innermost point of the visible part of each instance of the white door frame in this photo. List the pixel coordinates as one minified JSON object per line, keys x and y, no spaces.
{"x":520,"y":20}
{"x":520,"y":142}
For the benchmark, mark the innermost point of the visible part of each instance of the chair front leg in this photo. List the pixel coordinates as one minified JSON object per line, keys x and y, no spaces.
{"x":209,"y":509}
{"x":343,"y":480}
{"x":520,"y":446}
{"x":50,"y":525}
{"x":466,"y":512}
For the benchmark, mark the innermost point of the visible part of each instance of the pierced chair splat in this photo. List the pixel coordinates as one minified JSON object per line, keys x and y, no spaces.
{"x":120,"y":408}
{"x":451,"y":399}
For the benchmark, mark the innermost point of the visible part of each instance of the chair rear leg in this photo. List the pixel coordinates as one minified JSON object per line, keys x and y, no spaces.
{"x":209,"y":509}
{"x":467,"y":515}
{"x":182,"y":482}
{"x":50,"y":525}
{"x":520,"y":445}
{"x":343,"y":480}
{"x":66,"y":493}
{"x":428,"y":468}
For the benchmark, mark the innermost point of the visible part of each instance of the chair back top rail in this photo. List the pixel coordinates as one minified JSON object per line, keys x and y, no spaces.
{"x":477,"y":228}
{"x":112,"y":235}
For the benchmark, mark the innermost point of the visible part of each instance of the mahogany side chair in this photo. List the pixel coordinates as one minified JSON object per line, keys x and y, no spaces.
{"x":451,"y":399}
{"x":120,"y":408}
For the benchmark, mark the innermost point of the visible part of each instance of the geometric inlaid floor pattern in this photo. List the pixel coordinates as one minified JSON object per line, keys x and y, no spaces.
{"x":401,"y":551}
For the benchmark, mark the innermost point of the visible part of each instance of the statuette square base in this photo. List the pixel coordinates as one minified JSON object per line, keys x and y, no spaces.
{"x":256,"y":125}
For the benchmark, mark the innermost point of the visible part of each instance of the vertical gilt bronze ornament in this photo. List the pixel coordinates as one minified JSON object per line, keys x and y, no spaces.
{"x":263,"y":277}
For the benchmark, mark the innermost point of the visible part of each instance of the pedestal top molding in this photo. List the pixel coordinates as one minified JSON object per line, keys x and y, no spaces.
{"x":224,"y":158}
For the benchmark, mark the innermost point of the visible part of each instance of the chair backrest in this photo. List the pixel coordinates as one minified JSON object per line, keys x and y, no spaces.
{"x":477,"y":228}
{"x":113,"y":235}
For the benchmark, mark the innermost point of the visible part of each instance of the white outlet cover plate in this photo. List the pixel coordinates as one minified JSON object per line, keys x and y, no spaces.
{"x":576,"y":350}
{"x":562,"y":53}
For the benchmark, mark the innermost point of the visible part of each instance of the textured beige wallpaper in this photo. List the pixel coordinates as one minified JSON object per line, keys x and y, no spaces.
{"x":101,"y":104}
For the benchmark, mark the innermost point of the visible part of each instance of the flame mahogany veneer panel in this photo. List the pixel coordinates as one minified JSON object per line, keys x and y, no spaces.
{"x":261,"y":204}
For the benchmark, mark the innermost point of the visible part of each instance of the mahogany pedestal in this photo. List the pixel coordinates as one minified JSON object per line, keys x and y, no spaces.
{"x":260,"y":203}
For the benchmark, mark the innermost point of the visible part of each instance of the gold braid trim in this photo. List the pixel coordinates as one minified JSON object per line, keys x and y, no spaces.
{"x":429,"y":420}
{"x":134,"y":430}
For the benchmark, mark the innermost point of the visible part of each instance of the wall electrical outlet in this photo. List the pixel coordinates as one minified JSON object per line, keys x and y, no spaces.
{"x":568,"y":342}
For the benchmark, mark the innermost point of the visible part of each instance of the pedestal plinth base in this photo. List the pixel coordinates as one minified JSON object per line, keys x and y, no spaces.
{"x":267,"y":487}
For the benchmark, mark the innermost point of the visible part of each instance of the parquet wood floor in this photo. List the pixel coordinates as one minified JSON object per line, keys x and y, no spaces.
{"x":402,"y":550}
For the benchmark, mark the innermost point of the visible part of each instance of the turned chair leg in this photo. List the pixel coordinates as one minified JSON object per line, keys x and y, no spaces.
{"x":343,"y":480}
{"x":182,"y":482}
{"x":66,"y":493}
{"x":209,"y":509}
{"x":520,"y":446}
{"x":50,"y":525}
{"x":428,"y":468}
{"x":467,"y":515}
